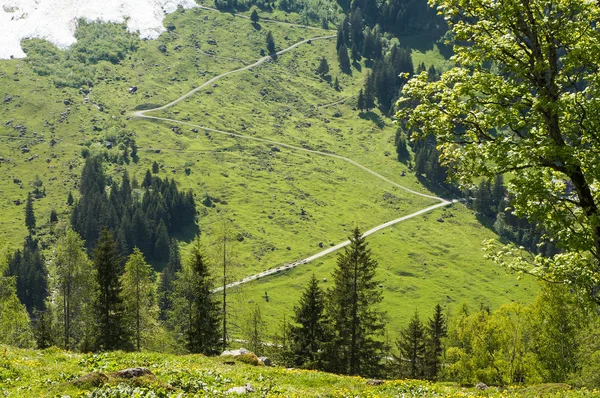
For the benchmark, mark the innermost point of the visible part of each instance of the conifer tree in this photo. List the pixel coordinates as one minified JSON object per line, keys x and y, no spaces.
{"x":29,"y":214}
{"x":360,"y":103}
{"x":352,"y":308}
{"x":138,"y":298}
{"x":167,"y":278}
{"x":323,"y":68}
{"x":161,"y":244}
{"x":70,"y":199}
{"x":196,"y":312}
{"x":435,"y":331}
{"x":311,"y":333}
{"x":29,"y":268}
{"x":270,"y":43}
{"x":411,"y":347}
{"x":155,"y":167}
{"x":343,"y":58}
{"x":336,"y":84}
{"x":254,"y":16}
{"x":108,"y":306}
{"x":15,"y":325}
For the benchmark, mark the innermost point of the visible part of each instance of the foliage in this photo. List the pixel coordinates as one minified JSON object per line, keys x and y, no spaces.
{"x":111,"y":333}
{"x":411,"y":349}
{"x":310,"y":333}
{"x":142,"y":221}
{"x":15,"y":327}
{"x":74,"y":284}
{"x":195,"y":316}
{"x":28,"y":266}
{"x":139,"y":301}
{"x":352,"y":310}
{"x":522,"y":98}
{"x":29,"y":214}
{"x":75,"y":67}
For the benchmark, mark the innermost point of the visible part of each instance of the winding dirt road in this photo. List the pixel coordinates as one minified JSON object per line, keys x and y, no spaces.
{"x":233,"y":134}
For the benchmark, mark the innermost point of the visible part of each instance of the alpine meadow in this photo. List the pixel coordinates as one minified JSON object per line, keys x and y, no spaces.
{"x":322,"y":198}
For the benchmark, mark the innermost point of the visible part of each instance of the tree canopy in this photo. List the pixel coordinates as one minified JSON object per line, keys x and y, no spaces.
{"x":522,"y":98}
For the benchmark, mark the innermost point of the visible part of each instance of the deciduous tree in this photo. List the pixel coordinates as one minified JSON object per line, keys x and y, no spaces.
{"x":522,"y":98}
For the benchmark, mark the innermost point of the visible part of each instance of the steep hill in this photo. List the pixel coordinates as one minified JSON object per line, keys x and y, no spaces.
{"x":281,"y":203}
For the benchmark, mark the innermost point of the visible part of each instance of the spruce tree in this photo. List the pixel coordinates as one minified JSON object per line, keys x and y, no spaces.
{"x":411,"y":347}
{"x":435,"y":331}
{"x":254,"y":330}
{"x":108,"y":306}
{"x":196,"y":312}
{"x":155,"y":167}
{"x":343,"y":58}
{"x":323,"y":68}
{"x":360,"y":103}
{"x":161,"y":244}
{"x":29,"y":214}
{"x":254,"y":16}
{"x":70,"y":199}
{"x":311,"y":333}
{"x":336,"y":84}
{"x":167,"y":278}
{"x":270,"y":43}
{"x":352,"y":306}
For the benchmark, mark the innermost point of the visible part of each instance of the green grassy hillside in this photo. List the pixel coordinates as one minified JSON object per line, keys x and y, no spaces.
{"x":283,"y":203}
{"x":51,"y":372}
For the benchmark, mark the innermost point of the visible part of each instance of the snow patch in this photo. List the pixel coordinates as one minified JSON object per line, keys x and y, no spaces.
{"x":56,"y":20}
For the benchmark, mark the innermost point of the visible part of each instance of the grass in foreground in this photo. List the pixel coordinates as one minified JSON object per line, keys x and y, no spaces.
{"x":52,"y":372}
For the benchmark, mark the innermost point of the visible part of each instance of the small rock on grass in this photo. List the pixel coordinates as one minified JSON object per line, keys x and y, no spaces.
{"x":241,"y":390}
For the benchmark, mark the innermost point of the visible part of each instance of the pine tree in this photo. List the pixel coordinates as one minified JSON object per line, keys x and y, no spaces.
{"x":29,"y":214}
{"x":167,"y":278}
{"x":323,"y":68}
{"x":53,"y":216}
{"x":435,"y":331}
{"x":147,"y":182}
{"x":108,"y":306}
{"x":138,"y":298}
{"x":311,"y":333}
{"x":74,"y":283}
{"x":161,"y":244}
{"x":343,"y":58}
{"x":254,"y":16}
{"x":196,"y":312}
{"x":352,"y":307}
{"x":29,"y":268}
{"x":402,"y":147}
{"x":270,"y":43}
{"x":411,"y":347}
{"x":369,"y":92}
{"x":360,"y":103}
{"x":336,"y":84}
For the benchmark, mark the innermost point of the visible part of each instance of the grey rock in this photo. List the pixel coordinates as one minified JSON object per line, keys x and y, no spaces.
{"x":481,"y":386}
{"x":266,"y":361}
{"x":241,"y":390}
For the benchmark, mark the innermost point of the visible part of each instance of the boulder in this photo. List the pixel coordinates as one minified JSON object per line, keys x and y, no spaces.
{"x":481,"y":386}
{"x":375,"y":382}
{"x":266,"y":361}
{"x":130,"y":373}
{"x":235,"y":353}
{"x":241,"y":390}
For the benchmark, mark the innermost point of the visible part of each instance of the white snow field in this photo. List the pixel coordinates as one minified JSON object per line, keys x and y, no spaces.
{"x":56,"y":20}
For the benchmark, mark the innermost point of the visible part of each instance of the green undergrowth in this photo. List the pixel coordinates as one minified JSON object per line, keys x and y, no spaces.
{"x":52,"y":372}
